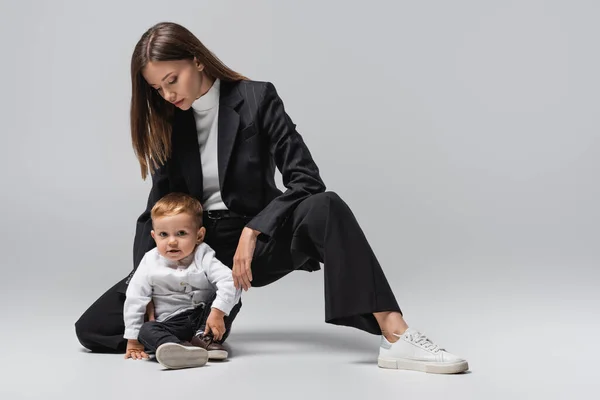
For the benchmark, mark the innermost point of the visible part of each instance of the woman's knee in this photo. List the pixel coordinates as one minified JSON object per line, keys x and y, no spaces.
{"x":93,"y":337}
{"x":330,"y":201}
{"x":324,"y":198}
{"x":320,"y":206}
{"x":83,"y":331}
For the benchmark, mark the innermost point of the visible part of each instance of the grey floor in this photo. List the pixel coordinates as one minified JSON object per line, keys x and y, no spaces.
{"x":518,"y":347}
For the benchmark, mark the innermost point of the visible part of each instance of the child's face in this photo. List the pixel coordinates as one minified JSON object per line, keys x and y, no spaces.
{"x":176,"y":236}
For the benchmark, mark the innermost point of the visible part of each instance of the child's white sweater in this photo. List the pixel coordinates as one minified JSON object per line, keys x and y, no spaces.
{"x":175,"y":288}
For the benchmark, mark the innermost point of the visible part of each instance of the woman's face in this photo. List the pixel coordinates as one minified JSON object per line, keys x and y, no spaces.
{"x":179,"y":82}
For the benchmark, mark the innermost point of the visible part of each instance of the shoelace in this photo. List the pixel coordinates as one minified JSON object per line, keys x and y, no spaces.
{"x":423,"y":341}
{"x":208,"y":338}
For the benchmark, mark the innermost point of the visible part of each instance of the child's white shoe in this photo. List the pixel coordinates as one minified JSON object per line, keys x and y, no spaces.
{"x":415,"y":351}
{"x":176,"y":356}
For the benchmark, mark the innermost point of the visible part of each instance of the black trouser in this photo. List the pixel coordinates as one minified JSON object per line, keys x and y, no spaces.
{"x":321,"y":229}
{"x":178,"y":329}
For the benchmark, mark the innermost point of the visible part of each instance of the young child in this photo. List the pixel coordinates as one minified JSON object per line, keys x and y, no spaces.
{"x":179,"y":276}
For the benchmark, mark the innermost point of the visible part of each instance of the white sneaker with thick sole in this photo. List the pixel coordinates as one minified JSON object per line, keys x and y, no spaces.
{"x":414,"y":351}
{"x":176,"y":356}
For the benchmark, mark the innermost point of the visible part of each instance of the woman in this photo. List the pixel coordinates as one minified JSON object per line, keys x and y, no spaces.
{"x":203,"y":129}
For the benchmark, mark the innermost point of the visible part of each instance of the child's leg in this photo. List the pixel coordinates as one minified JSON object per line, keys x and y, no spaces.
{"x":215,"y":349}
{"x":170,"y":341}
{"x":175,"y":330}
{"x":228,"y":319}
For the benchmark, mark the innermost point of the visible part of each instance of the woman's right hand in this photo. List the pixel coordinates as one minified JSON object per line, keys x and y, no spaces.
{"x":135,"y":350}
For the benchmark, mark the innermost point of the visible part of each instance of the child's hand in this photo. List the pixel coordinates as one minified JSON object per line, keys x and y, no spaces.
{"x":215,"y":323}
{"x":150,"y":311}
{"x":135,"y":350}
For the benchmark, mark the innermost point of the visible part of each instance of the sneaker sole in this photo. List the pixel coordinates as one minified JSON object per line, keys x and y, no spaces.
{"x":217,"y":354}
{"x":176,"y":356}
{"x":429,"y":367}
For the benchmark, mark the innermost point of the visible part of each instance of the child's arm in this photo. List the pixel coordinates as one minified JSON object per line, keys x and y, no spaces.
{"x":138,"y":295}
{"x":135,"y":350}
{"x":215,"y":323}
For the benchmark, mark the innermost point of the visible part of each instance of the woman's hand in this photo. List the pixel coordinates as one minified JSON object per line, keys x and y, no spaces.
{"x":242,"y":260}
{"x":135,"y":350}
{"x":215,"y":323}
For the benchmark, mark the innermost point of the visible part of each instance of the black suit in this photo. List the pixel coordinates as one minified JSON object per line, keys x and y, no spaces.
{"x":253,"y":126}
{"x":300,"y":227}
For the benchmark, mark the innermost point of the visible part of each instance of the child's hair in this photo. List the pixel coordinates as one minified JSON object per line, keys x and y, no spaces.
{"x":178,"y":203}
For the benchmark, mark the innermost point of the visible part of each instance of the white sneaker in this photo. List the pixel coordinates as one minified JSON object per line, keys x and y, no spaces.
{"x":175,"y":356}
{"x":415,"y":351}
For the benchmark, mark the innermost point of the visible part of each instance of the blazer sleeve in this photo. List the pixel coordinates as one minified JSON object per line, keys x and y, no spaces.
{"x":293,"y":159}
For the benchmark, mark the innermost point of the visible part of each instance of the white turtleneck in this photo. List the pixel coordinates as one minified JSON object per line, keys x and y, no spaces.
{"x":206,"y":111}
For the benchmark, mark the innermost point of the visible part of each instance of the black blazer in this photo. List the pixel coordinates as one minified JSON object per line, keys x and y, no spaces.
{"x":255,"y":135}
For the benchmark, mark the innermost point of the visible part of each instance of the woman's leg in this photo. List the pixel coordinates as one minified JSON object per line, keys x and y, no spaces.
{"x":357,"y":293}
{"x":223,"y":235}
{"x":391,"y":322}
{"x":321,"y":229}
{"x":101,"y":327}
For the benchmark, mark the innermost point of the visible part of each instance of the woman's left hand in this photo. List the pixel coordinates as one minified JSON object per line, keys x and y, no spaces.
{"x":242,"y":260}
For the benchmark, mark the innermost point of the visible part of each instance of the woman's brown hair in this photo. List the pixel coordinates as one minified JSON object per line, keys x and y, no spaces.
{"x":151,"y":116}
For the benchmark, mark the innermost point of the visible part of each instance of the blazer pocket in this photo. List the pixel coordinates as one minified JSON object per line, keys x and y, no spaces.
{"x":249,"y":132}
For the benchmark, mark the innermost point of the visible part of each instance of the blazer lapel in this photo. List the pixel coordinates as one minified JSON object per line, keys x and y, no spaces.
{"x":229,"y":121}
{"x":185,"y":145}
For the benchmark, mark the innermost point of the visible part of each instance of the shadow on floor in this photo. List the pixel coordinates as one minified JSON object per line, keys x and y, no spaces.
{"x":246,"y":342}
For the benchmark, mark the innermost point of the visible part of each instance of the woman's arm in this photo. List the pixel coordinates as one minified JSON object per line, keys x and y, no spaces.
{"x":293,"y":159}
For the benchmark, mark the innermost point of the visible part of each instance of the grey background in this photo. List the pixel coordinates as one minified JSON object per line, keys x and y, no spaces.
{"x":463,"y":134}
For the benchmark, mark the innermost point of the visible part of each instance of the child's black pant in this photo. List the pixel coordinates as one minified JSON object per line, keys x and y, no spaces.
{"x":178,"y":329}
